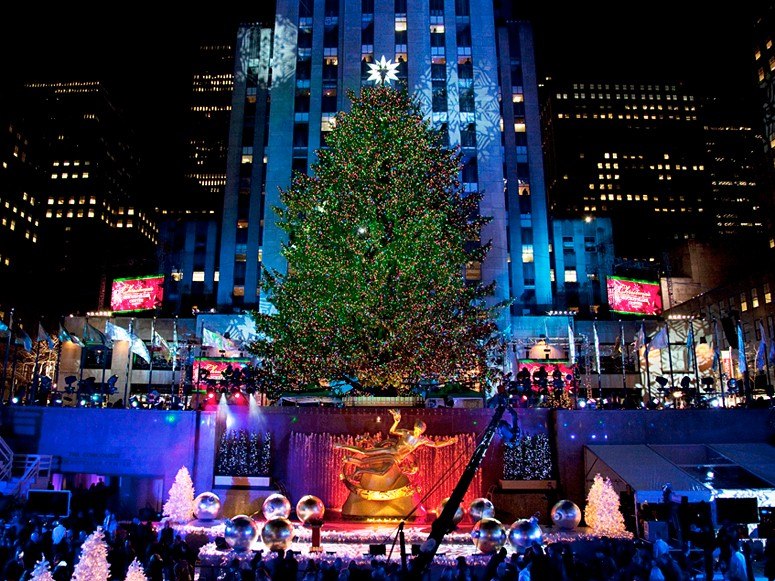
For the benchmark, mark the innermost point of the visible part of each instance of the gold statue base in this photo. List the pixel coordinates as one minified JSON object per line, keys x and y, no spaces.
{"x":365,"y":502}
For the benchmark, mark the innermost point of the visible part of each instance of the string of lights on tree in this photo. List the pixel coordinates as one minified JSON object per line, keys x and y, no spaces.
{"x":243,"y":453}
{"x":378,"y":236}
{"x":529,"y":458}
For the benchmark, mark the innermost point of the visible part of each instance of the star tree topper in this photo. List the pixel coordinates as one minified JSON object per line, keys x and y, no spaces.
{"x":383,"y":71}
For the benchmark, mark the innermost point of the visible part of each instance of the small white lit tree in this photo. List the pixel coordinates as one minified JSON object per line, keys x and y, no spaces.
{"x":41,"y":572}
{"x":93,"y":564}
{"x":135,"y":572}
{"x":179,"y":507}
{"x":602,"y":513}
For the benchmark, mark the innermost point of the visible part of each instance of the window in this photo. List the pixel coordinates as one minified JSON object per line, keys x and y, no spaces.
{"x":570,"y":276}
{"x":767,"y":293}
{"x":743,"y":302}
{"x":754,"y":298}
{"x":198,"y":276}
{"x":527,"y":253}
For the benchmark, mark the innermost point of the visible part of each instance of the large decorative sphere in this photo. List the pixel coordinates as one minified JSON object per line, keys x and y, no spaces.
{"x":481,"y":508}
{"x":276,"y":506}
{"x":489,"y":535}
{"x":207,"y":506}
{"x":566,"y":515}
{"x":524,"y":532}
{"x":310,"y":509}
{"x":277,"y":534}
{"x":241,"y":532}
{"x":459,"y":513}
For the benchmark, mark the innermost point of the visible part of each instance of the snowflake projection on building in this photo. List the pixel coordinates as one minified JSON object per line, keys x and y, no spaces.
{"x":383,"y":72}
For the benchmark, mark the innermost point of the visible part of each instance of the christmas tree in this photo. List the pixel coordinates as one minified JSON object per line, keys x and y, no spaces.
{"x":602,"y":513}
{"x":379,"y":236}
{"x":179,"y":507}
{"x":41,"y":572}
{"x":93,"y":564}
{"x":135,"y":572}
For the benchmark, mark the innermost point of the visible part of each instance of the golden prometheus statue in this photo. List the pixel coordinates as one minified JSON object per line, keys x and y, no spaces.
{"x":377,"y":472}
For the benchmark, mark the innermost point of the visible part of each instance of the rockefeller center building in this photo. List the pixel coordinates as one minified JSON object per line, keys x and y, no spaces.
{"x":473,"y":76}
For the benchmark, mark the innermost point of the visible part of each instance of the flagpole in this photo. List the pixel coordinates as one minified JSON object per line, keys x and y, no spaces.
{"x":7,"y":353}
{"x":597,"y":363}
{"x":127,"y":383}
{"x":766,"y":358}
{"x":717,"y":358}
{"x":175,"y":356}
{"x":83,"y":349}
{"x":13,"y":369}
{"x":199,"y":366}
{"x":103,"y":355}
{"x":621,"y":348}
{"x":34,"y":387}
{"x":59,"y":357}
{"x":669,"y":355}
{"x":153,"y":343}
{"x":694,"y":357}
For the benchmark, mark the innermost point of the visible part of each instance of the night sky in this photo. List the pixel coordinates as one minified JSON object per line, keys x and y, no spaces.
{"x":144,"y":55}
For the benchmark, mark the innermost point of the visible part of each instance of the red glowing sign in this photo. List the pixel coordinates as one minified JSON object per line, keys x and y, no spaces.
{"x":213,"y":367}
{"x":637,"y":297}
{"x":137,"y":294}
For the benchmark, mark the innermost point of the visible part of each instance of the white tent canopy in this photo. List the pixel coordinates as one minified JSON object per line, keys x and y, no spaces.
{"x":643,"y":470}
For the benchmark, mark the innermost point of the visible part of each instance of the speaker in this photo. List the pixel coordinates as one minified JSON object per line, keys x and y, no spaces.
{"x":375,"y":550}
{"x":655,"y":529}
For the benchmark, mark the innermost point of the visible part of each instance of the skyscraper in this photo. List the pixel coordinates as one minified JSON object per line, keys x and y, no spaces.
{"x":453,"y":60}
{"x":94,"y":229}
{"x":633,"y":151}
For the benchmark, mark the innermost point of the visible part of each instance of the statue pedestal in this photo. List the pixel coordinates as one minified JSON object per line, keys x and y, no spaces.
{"x":388,"y":495}
{"x":316,"y":548}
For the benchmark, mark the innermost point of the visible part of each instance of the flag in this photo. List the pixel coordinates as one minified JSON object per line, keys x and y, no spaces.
{"x":716,"y":351}
{"x":3,"y":327}
{"x":640,"y":338}
{"x":742,"y":364}
{"x":761,"y":351}
{"x":64,"y":336}
{"x":213,"y":339}
{"x":690,"y":343}
{"x":571,"y":345}
{"x":597,"y":346}
{"x":617,"y":348}
{"x":163,"y":345}
{"x":44,"y":336}
{"x":658,"y":341}
{"x":116,"y":332}
{"x":24,"y":340}
{"x":771,"y":356}
{"x":137,"y":346}
{"x":93,"y":335}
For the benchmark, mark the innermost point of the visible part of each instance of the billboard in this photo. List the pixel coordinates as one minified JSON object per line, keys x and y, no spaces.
{"x":635,"y":297}
{"x":213,"y":367}
{"x":137,"y":294}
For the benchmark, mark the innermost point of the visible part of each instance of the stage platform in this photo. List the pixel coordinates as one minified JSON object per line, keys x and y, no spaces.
{"x":359,"y":541}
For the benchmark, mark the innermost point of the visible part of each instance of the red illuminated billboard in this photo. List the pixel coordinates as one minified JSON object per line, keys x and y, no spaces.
{"x":213,"y":367}
{"x":137,"y":294}
{"x":635,"y":297}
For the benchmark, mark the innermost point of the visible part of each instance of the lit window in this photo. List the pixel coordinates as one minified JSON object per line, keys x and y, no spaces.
{"x":92,"y":200}
{"x":85,"y":174}
{"x":519,"y":127}
{"x":54,"y":176}
{"x":51,"y":201}
{"x":743,"y":302}
{"x":239,"y":291}
{"x":767,"y":293}
{"x":527,"y":253}
{"x":49,"y":213}
{"x":216,"y":276}
{"x":198,"y":276}
{"x":754,"y":298}
{"x":570,"y":276}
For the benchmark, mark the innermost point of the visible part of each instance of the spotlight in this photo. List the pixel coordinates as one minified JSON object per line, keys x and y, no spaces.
{"x":581,"y":403}
{"x":662,"y":381}
{"x":685,"y":382}
{"x":732,"y":386}
{"x":14,"y":399}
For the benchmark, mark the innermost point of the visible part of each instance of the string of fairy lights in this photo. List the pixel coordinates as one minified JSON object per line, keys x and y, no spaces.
{"x":378,"y":236}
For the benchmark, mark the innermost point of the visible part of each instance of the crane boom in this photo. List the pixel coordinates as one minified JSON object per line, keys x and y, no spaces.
{"x":444,"y":522}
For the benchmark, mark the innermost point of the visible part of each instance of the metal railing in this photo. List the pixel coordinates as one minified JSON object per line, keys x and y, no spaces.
{"x":6,"y":461}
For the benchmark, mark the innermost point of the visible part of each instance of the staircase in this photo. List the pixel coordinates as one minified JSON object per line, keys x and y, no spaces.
{"x":21,"y":472}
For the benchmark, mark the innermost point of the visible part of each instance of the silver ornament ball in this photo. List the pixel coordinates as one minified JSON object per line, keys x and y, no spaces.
{"x":488,"y":535}
{"x":277,"y":534}
{"x":481,"y":508}
{"x":310,"y":509}
{"x":276,"y":506}
{"x":240,"y":532}
{"x":566,"y":515}
{"x":459,"y":513}
{"x":207,"y":506}
{"x":524,"y":532}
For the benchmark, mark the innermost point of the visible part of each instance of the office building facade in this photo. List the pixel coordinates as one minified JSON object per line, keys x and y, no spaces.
{"x":453,"y":60}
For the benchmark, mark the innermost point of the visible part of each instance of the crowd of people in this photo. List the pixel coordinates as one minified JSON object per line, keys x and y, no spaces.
{"x":166,"y":556}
